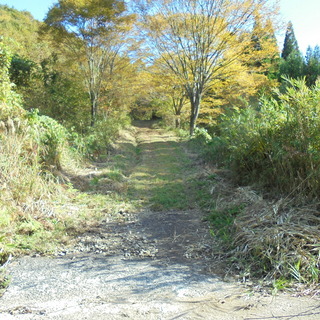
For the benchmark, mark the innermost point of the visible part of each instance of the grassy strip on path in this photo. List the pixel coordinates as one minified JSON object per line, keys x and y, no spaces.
{"x":149,"y":168}
{"x":165,"y":177}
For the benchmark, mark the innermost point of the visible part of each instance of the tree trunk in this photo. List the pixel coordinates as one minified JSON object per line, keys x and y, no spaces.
{"x":192,"y":125}
{"x":178,"y":119}
{"x":178,"y":122}
{"x":94,"y":107}
{"x":195,"y":107}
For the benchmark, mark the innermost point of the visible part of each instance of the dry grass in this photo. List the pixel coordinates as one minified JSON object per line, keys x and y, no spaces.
{"x":273,"y":239}
{"x":280,"y":240}
{"x":21,"y":176}
{"x":26,"y":194}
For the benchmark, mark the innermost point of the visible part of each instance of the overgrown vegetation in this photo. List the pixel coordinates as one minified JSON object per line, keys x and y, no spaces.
{"x":275,"y":145}
{"x":275,"y":148}
{"x":22,"y":160}
{"x":70,"y":84}
{"x":265,"y":239}
{"x":34,"y":149}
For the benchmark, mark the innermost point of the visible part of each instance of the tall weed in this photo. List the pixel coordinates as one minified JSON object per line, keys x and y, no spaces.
{"x":20,"y":178}
{"x":48,"y":137}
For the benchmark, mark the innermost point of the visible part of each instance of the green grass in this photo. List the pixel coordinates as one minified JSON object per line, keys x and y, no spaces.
{"x":221,"y":222}
{"x":115,"y":175}
{"x":160,"y":179}
{"x":40,"y":212}
{"x":280,"y":284}
{"x":170,"y":196}
{"x":156,"y":174}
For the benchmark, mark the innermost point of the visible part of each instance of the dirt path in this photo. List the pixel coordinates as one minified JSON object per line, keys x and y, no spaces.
{"x":153,"y":263}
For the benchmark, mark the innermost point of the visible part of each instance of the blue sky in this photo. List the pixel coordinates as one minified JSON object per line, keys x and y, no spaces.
{"x":38,"y":8}
{"x":304,"y":14}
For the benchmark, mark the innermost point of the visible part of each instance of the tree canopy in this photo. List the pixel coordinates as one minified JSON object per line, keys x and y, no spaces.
{"x":198,"y":40}
{"x":94,"y":31}
{"x":171,"y":58}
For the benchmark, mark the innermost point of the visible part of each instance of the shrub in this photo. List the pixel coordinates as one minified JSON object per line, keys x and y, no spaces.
{"x":50,"y":138}
{"x":10,"y":102}
{"x":202,"y":135}
{"x":276,"y":145}
{"x":19,"y":172}
{"x":98,"y":138}
{"x":29,"y":145}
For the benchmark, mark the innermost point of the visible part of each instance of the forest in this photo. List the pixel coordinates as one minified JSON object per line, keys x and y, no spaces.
{"x":212,"y":71}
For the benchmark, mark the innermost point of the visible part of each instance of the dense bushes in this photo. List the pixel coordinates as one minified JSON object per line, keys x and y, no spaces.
{"x":33,"y":150}
{"x":49,"y":138}
{"x":275,"y":145}
{"x":98,"y":139}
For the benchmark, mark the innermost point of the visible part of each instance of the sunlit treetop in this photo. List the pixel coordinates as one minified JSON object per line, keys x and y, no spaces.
{"x":86,"y":18}
{"x":290,"y":42}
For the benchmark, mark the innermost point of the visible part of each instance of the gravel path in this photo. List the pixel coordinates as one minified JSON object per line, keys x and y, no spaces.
{"x":148,"y":265}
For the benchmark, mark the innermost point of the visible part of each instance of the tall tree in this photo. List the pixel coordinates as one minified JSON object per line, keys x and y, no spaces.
{"x":175,"y":95}
{"x":312,"y":65}
{"x":264,"y":48}
{"x":193,"y":38}
{"x":263,"y":56}
{"x":292,"y":66}
{"x":290,"y":42}
{"x":94,"y":30}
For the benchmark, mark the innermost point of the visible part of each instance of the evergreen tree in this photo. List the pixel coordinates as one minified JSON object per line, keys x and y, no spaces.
{"x":312,"y":65}
{"x":274,"y":60}
{"x":293,"y":66}
{"x":290,"y":42}
{"x":264,"y":57}
{"x":256,"y":35}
